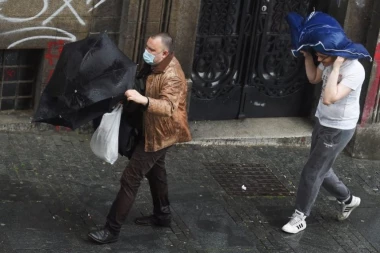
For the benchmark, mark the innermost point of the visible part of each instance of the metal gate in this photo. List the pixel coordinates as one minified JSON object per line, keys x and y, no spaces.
{"x":242,"y":64}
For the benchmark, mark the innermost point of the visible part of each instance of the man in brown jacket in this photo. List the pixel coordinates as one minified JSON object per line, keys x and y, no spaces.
{"x":165,"y":123}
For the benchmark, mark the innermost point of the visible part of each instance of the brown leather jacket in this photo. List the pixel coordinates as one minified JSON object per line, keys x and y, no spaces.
{"x":165,"y":119}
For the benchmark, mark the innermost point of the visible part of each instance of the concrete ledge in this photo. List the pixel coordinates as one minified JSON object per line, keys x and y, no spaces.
{"x":21,"y":121}
{"x":366,"y":142}
{"x":253,"y":132}
{"x":242,"y":132}
{"x":287,"y":141}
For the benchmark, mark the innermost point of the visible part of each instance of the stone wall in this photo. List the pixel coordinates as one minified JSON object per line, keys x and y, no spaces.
{"x":146,"y":17}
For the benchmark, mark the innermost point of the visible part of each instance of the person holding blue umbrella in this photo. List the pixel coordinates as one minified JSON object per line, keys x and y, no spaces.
{"x":342,"y":76}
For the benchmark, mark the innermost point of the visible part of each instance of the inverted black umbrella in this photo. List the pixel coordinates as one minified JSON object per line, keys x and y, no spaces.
{"x":91,"y":76}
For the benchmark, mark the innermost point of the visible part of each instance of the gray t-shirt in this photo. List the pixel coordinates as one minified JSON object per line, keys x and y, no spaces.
{"x":343,"y":114}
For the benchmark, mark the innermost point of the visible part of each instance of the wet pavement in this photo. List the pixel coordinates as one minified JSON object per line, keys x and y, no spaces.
{"x":54,"y":191}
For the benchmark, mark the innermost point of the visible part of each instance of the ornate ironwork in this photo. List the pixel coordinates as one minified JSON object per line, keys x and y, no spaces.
{"x":242,"y":54}
{"x":216,"y":48}
{"x":276,"y":72}
{"x":218,"y":17}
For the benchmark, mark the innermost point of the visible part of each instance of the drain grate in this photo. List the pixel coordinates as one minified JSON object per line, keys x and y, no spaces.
{"x":257,"y":178}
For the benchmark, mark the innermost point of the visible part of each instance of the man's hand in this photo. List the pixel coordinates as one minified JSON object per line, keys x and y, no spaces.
{"x":135,"y":96}
{"x":338,"y":62}
{"x":334,"y":92}
{"x":305,"y":53}
{"x":314,"y":74}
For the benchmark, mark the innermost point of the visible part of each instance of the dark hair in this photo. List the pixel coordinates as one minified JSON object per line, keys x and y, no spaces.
{"x":166,"y":39}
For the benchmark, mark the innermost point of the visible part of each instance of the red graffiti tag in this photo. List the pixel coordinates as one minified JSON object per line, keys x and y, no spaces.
{"x":10,"y":74}
{"x":370,"y":102}
{"x":54,"y":50}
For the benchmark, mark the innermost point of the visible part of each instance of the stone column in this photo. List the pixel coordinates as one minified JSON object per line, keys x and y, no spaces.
{"x":133,"y":29}
{"x":146,"y":17}
{"x":183,"y":27}
{"x":366,"y":142}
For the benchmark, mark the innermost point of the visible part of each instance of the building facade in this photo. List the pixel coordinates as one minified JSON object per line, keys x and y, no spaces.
{"x":235,"y":53}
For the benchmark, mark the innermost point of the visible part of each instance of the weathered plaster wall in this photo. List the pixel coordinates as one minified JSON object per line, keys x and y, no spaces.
{"x":34,"y":23}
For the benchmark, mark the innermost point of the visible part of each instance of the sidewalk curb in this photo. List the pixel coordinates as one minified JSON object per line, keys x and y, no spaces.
{"x":232,"y":133}
{"x":41,"y":127}
{"x":302,"y":141}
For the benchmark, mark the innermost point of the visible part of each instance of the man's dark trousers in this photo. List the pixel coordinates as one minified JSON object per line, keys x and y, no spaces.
{"x":151,"y":165}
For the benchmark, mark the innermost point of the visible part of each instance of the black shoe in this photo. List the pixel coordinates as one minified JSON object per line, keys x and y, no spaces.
{"x":103,"y":236}
{"x":152,"y":221}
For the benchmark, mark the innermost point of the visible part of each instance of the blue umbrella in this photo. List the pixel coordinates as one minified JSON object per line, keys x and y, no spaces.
{"x":324,"y":34}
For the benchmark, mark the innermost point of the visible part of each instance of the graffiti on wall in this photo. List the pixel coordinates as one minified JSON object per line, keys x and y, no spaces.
{"x":45,"y":12}
{"x":53,"y":52}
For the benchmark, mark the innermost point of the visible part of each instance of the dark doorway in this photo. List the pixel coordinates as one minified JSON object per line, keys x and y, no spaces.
{"x":243,"y":67}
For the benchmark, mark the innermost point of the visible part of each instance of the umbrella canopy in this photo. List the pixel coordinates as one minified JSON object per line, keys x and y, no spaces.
{"x":324,"y":34}
{"x":91,"y":76}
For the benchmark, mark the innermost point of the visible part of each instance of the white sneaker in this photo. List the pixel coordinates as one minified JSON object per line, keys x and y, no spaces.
{"x":347,"y":209}
{"x":296,"y":224}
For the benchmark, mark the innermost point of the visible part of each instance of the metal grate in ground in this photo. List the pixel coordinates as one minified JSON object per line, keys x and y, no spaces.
{"x":257,"y":179}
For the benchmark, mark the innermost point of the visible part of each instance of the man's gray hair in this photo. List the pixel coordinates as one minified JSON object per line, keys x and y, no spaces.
{"x":166,"y":39}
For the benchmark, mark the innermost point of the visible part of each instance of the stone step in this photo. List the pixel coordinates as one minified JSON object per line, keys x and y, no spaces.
{"x":246,"y":132}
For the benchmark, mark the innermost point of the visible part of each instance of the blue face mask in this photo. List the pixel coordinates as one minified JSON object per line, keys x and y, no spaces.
{"x":148,"y":57}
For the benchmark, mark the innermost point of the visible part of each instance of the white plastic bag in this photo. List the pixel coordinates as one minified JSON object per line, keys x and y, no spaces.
{"x":105,"y":140}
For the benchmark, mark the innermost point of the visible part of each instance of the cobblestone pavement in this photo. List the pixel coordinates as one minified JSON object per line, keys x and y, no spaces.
{"x":54,"y":190}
